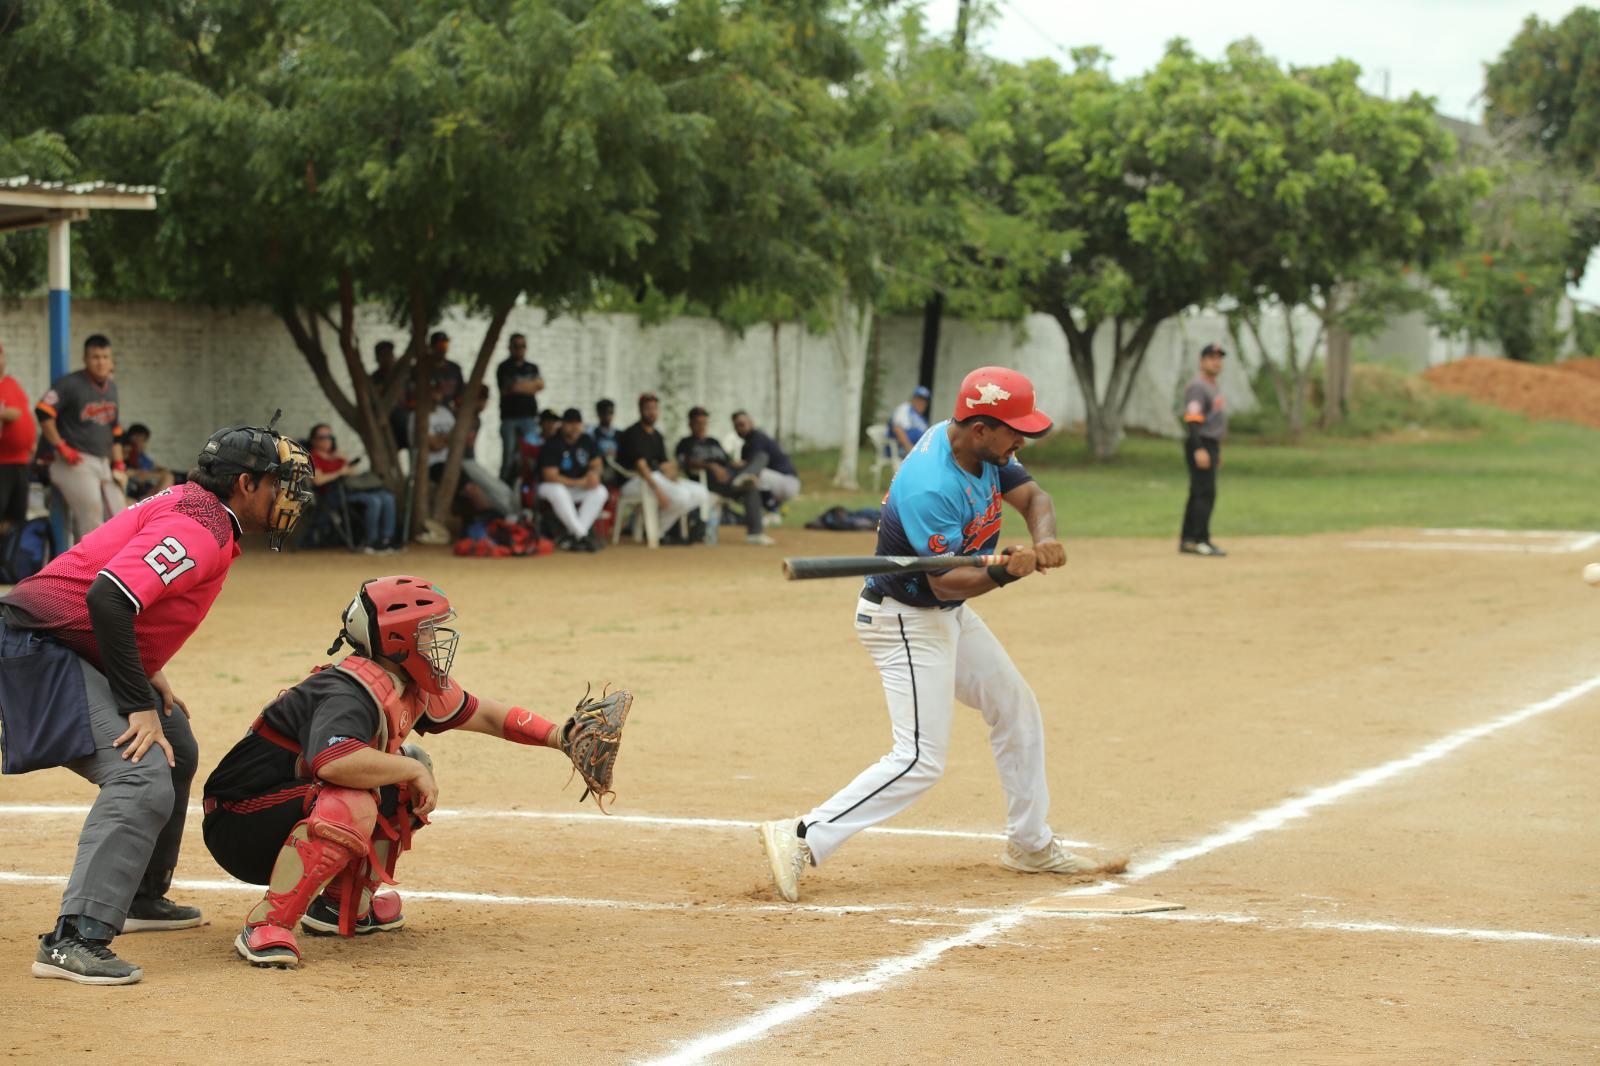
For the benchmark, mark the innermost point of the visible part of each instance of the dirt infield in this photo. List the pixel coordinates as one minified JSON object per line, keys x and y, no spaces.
{"x":1443,"y":910}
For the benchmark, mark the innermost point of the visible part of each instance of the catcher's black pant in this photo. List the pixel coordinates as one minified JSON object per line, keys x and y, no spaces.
{"x":1202,"y":490}
{"x":245,"y":835}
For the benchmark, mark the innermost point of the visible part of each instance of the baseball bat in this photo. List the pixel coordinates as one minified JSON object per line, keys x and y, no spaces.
{"x":803,"y":569}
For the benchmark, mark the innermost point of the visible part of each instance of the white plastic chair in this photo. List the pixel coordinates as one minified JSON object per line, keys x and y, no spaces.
{"x":884,"y":453}
{"x":649,"y":529}
{"x":711,"y":510}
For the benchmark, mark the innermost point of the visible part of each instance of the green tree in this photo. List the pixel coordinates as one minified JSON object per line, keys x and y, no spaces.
{"x":1342,"y":191}
{"x":1544,"y":89}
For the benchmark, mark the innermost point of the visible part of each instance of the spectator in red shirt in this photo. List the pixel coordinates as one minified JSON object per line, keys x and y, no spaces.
{"x":18,"y":432}
{"x":330,"y":466}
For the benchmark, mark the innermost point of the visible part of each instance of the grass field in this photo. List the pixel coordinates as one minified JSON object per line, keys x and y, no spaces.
{"x":1513,"y":474}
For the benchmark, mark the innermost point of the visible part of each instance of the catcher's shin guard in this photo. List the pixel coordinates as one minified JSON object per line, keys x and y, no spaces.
{"x":336,"y":833}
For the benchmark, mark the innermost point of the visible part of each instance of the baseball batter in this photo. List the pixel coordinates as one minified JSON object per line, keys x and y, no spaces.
{"x":323,"y":794}
{"x":930,"y":646}
{"x":82,"y":648}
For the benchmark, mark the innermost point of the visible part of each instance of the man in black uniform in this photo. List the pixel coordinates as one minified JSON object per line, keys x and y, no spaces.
{"x":701,"y":451}
{"x":1205,"y":419}
{"x":643,"y":453}
{"x":569,"y":481}
{"x":520,"y":384}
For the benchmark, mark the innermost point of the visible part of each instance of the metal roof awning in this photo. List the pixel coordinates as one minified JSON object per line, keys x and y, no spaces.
{"x":26,"y":203}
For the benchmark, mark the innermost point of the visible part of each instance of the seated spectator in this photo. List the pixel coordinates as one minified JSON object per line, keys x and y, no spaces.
{"x":330,"y":468}
{"x":605,"y":436}
{"x":642,"y":452}
{"x":550,"y":425}
{"x":144,"y":476}
{"x":909,"y":421}
{"x":775,"y":474}
{"x":569,"y":472}
{"x":700,"y":451}
{"x":477,"y":489}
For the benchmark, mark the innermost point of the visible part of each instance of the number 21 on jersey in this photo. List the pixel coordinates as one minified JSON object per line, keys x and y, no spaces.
{"x":169,"y":559}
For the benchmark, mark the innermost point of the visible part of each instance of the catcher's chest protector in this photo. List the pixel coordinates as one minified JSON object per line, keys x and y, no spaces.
{"x":401,"y":708}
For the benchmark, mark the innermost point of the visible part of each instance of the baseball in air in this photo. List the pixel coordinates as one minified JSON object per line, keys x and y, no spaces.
{"x":1591,"y":573}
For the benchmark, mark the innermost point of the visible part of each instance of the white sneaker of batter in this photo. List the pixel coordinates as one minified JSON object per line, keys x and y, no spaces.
{"x":929,"y":658}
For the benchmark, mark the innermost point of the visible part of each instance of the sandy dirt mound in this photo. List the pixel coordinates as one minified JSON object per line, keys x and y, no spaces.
{"x":1586,"y":365}
{"x":1543,"y":392}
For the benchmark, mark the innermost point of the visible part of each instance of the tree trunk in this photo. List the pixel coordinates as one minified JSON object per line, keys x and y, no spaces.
{"x":467,"y":415}
{"x":422,"y":367}
{"x":848,"y":332}
{"x":1104,"y":415}
{"x":1336,"y":372}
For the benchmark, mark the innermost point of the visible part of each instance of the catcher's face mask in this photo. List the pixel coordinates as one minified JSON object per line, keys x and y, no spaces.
{"x":293,"y":471}
{"x":405,"y":620}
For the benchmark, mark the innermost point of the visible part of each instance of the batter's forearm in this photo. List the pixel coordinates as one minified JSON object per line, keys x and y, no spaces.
{"x":962,"y":584}
{"x":1041,"y":517}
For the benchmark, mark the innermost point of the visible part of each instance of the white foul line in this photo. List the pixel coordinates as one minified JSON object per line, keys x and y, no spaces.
{"x":1272,"y":818}
{"x":499,"y":900}
{"x":79,"y":809}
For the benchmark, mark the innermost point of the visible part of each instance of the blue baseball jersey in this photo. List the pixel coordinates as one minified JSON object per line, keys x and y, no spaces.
{"x":935,"y":507}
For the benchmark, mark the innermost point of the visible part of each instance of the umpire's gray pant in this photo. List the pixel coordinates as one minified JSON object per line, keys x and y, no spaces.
{"x":129,"y":844}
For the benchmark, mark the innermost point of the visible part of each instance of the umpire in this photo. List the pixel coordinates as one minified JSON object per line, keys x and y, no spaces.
{"x":1205,"y":418}
{"x":82,"y":647}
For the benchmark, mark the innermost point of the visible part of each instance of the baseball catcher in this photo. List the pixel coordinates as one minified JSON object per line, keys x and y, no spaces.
{"x":324,"y":793}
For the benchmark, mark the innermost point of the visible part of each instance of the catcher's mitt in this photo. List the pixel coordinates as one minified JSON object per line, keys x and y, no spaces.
{"x":591,"y":738}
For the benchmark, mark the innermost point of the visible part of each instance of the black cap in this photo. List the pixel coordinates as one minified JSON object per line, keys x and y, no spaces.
{"x":603,"y":406}
{"x":549,"y":415}
{"x":572,"y":414}
{"x":438,"y":335}
{"x":1213,"y":349}
{"x":242,"y":450}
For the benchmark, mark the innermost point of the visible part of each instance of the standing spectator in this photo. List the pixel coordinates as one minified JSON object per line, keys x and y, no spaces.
{"x":78,"y":416}
{"x":775,"y":474}
{"x":641,"y":451}
{"x":909,"y":421}
{"x":17,"y":436}
{"x":569,"y":480}
{"x":605,"y":436}
{"x":330,"y":467}
{"x":446,"y":370}
{"x":700,"y":451}
{"x":406,"y":403}
{"x":1206,"y":419}
{"x":145,"y":476}
{"x":520,"y":383}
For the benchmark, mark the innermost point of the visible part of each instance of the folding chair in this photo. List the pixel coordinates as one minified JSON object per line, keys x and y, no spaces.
{"x":885,"y":452}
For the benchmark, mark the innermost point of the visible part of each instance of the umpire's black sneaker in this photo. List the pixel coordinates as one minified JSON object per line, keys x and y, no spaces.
{"x":153,"y":915}
{"x":88,"y":962}
{"x":1205,"y":547}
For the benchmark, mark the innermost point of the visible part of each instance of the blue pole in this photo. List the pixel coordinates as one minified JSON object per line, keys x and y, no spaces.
{"x":59,"y":273}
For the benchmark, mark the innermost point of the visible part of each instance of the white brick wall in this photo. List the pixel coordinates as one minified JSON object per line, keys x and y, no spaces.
{"x":185,"y":370}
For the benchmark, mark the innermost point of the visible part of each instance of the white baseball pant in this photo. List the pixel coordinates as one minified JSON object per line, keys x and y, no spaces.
{"x":780,"y":486}
{"x":92,"y":495}
{"x":929,"y":658}
{"x":576,"y":508}
{"x":683,"y":496}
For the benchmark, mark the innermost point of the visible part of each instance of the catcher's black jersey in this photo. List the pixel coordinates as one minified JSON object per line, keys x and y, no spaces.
{"x":329,"y":714}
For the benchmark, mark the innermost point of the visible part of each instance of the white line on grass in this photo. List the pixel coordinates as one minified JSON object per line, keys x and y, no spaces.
{"x":1274,"y":817}
{"x":467,"y":813}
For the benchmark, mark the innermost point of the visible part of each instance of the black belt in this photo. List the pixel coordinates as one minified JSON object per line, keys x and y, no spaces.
{"x":871,"y":595}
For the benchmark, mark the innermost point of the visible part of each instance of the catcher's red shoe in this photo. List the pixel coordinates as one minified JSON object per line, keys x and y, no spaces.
{"x":322,"y":917}
{"x":268,"y":945}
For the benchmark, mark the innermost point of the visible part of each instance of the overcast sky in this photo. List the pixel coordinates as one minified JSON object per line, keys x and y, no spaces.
{"x":1435,"y":47}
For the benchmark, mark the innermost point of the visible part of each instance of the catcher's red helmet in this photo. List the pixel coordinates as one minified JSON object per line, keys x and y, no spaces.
{"x":402,"y":619}
{"x":1002,"y":394}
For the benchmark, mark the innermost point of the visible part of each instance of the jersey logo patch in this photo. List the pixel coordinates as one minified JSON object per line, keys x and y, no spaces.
{"x":989,"y":395}
{"x":937,"y":544}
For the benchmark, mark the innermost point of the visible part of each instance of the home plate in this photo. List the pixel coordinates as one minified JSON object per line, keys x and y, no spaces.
{"x":1100,"y":905}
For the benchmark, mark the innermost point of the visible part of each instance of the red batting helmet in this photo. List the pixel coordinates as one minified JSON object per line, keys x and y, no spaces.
{"x":402,"y":619}
{"x":1002,"y":394}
